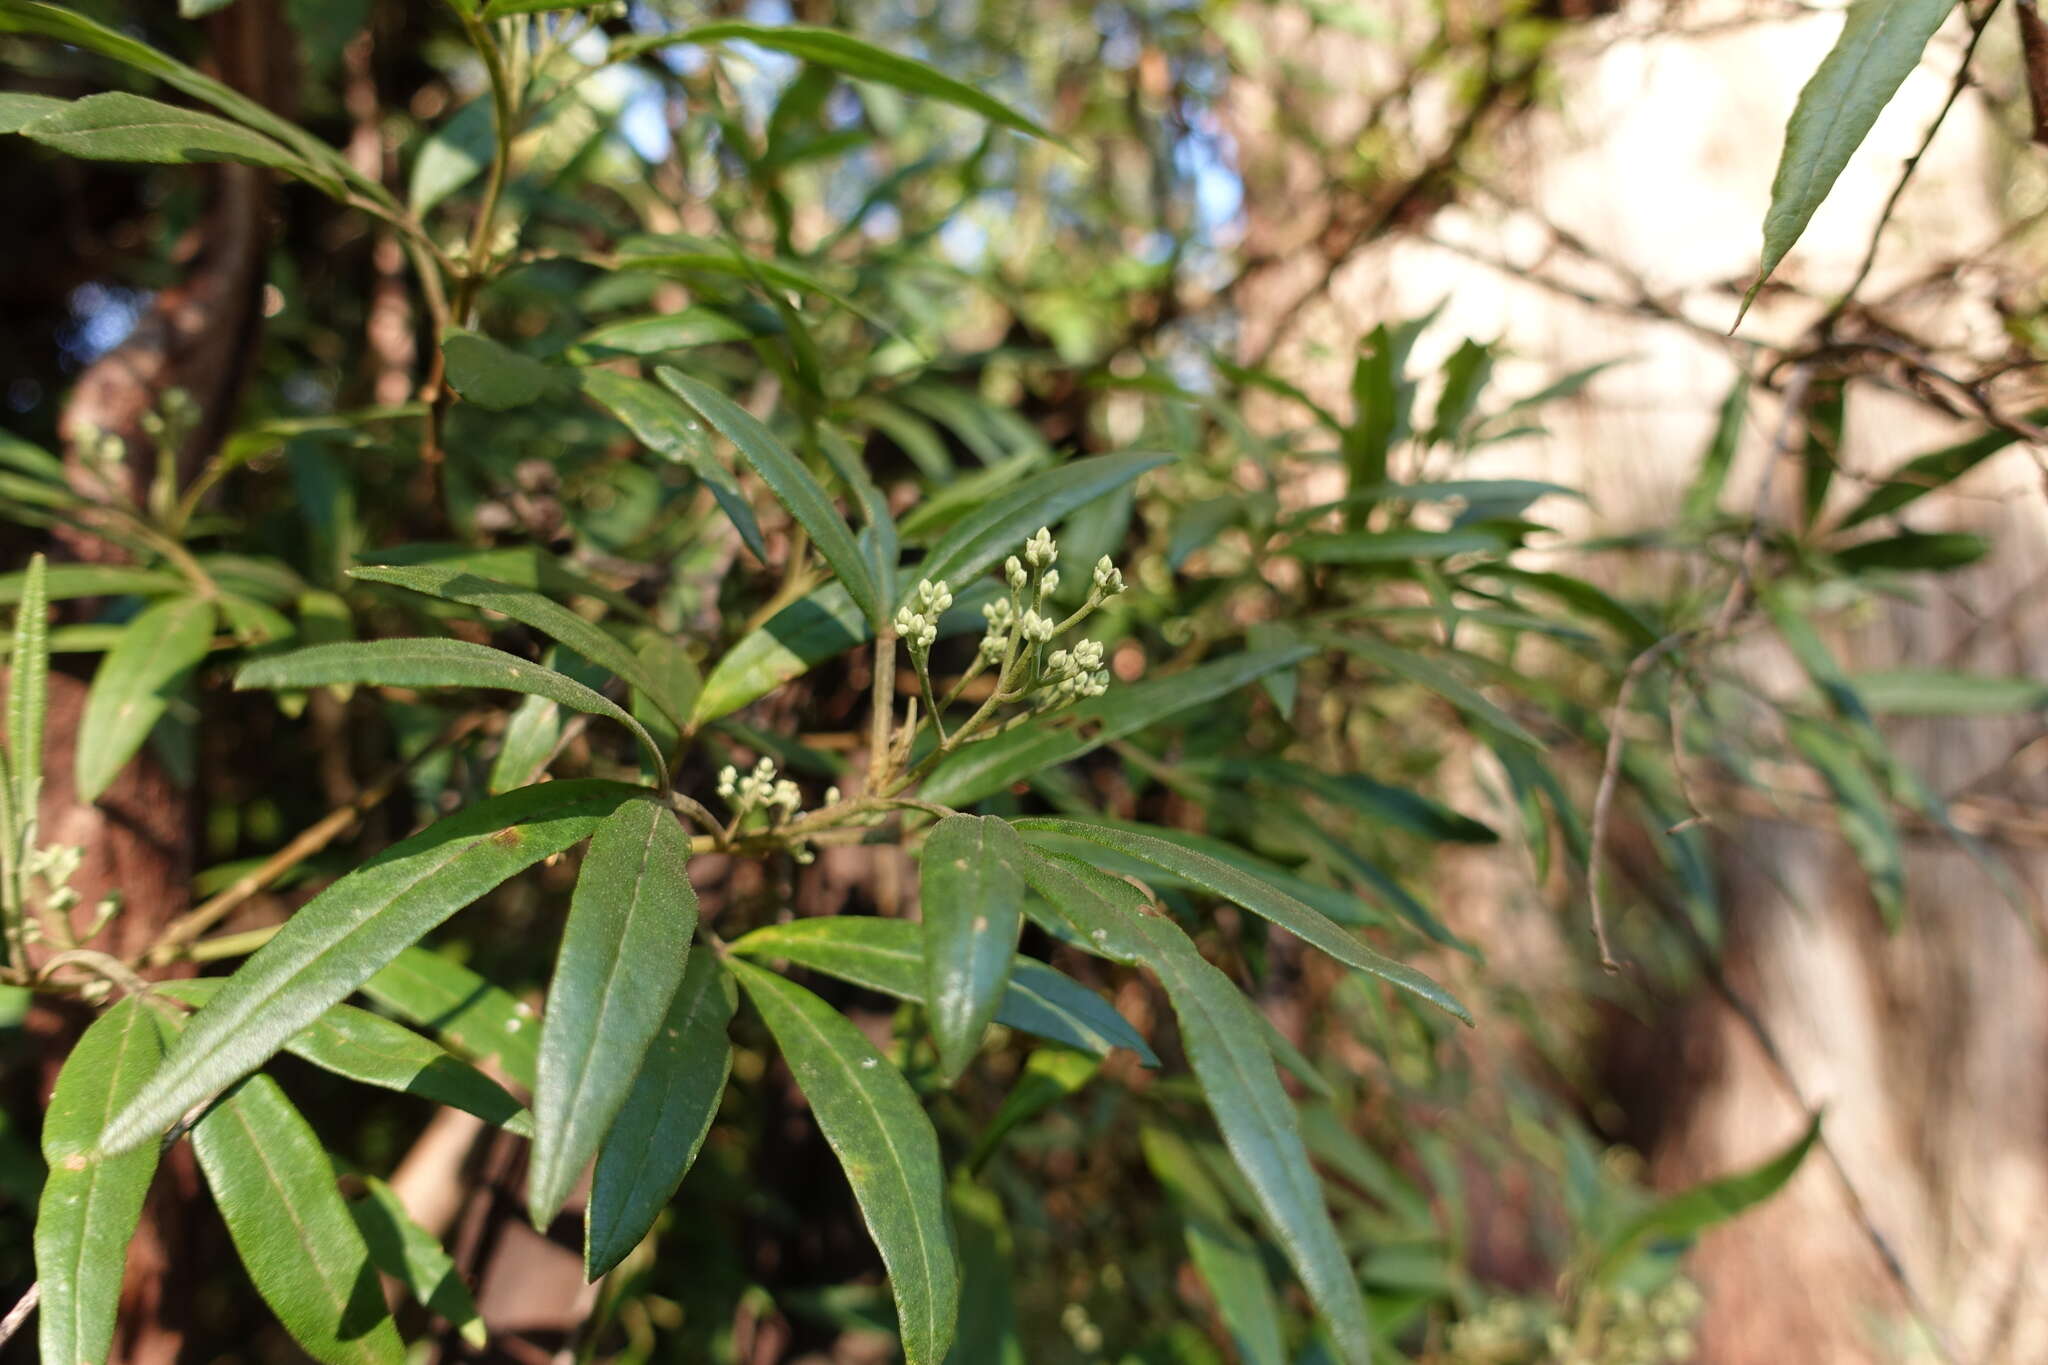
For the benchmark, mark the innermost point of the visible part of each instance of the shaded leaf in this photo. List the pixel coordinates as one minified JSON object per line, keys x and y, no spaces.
{"x":275,"y":1190}
{"x":659,"y":421}
{"x":971,"y":898}
{"x":621,"y":959}
{"x":885,"y":1143}
{"x":407,"y":1252}
{"x":91,"y":1202}
{"x":466,"y":1012}
{"x":492,"y":375}
{"x":340,"y":938}
{"x":1225,"y":1255}
{"x":136,"y":682}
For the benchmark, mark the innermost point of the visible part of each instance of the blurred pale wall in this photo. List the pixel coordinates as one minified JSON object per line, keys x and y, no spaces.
{"x":1930,"y":1050}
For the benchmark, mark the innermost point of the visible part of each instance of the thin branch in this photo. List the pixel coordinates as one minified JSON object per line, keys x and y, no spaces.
{"x":1610,"y":778}
{"x":18,"y":1314}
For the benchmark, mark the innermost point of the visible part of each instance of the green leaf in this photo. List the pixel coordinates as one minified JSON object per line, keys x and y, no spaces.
{"x":871,"y":1117}
{"x":531,"y":732}
{"x":620,"y":962}
{"x":1880,"y":44}
{"x":54,"y":21}
{"x":1915,"y":552}
{"x":659,"y":421}
{"x":1433,"y":676}
{"x":1000,"y":525}
{"x":275,"y":1188}
{"x":413,"y":1256}
{"x":135,"y":684}
{"x":91,"y":1202}
{"x":1400,"y":547}
{"x":1225,"y":1255}
{"x":1820,"y":453}
{"x":424,"y":662}
{"x":19,"y":109}
{"x":1703,"y":499}
{"x":1225,"y":1045}
{"x":848,"y":55}
{"x":1685,"y":1215}
{"x":525,"y":606}
{"x":889,"y":956}
{"x":463,"y":1010}
{"x":984,"y":768}
{"x":791,"y":483}
{"x":373,"y":1050}
{"x":1376,"y":801}
{"x":117,"y":126}
{"x":1049,"y":1075}
{"x":492,"y":375}
{"x":663,"y":332}
{"x":1242,"y":889}
{"x":1860,"y":807}
{"x":1931,"y":692}
{"x":522,"y":566}
{"x":972,"y":904}
{"x":820,"y":625}
{"x":662,"y":1125}
{"x":340,"y":938}
{"x":28,"y":691}
{"x":988,"y":1311}
{"x":1923,"y":474}
{"x":455,"y":154}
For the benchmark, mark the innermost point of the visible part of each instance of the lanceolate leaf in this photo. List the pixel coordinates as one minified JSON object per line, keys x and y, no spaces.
{"x":791,"y":483}
{"x":983,"y":769}
{"x":663,"y":1122}
{"x":1240,"y":887}
{"x":424,"y":662}
{"x":134,"y":686}
{"x":341,"y":937}
{"x":621,"y":959}
{"x":972,"y":900}
{"x":1226,"y":1047}
{"x":377,"y":1051}
{"x":91,"y":1202}
{"x":1004,"y":522}
{"x":407,"y":1252}
{"x":525,"y":606}
{"x":493,"y":375}
{"x":466,"y":1012}
{"x":28,"y":686}
{"x":17,"y":110}
{"x":1691,"y":1212}
{"x":888,"y":955}
{"x":117,"y":126}
{"x":276,"y":1192}
{"x":1881,"y":43}
{"x":1922,"y":474}
{"x":659,"y":421}
{"x":1703,"y":498}
{"x":1224,"y":1254}
{"x":63,"y":581}
{"x":871,"y":1118}
{"x":849,"y":56}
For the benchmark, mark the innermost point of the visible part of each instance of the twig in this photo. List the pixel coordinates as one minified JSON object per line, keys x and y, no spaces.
{"x":309,"y":842}
{"x":18,"y":1314}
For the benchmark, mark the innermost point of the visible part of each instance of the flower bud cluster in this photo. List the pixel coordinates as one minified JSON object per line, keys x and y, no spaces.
{"x":1072,"y":674}
{"x":760,"y":789}
{"x":1025,"y":620}
{"x":918,"y":625}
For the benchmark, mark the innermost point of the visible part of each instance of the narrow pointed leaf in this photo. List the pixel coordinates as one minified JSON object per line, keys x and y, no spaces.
{"x":850,"y":56}
{"x":1241,"y":888}
{"x":1226,"y":1048}
{"x":620,"y":962}
{"x":525,"y":606}
{"x":531,"y":732}
{"x":871,"y":1118}
{"x":791,"y":483}
{"x":407,"y":1252}
{"x":1000,"y":525}
{"x":1703,"y":498}
{"x":971,"y":897}
{"x":62,"y":581}
{"x":467,"y":1013}
{"x":18,"y":109}
{"x":888,"y":955}
{"x":1690,"y":1212}
{"x":1049,"y":1075}
{"x":423,"y":662}
{"x":341,"y":937}
{"x":373,"y":1050}
{"x":981,"y":770}
{"x":1225,"y":1255}
{"x":492,"y":375}
{"x":117,"y":126}
{"x":1881,"y":42}
{"x":1922,"y":474}
{"x":145,"y":669}
{"x":28,"y":688}
{"x":92,"y":1202}
{"x":659,"y":421}
{"x":276,"y":1192}
{"x":662,"y":1125}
